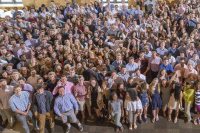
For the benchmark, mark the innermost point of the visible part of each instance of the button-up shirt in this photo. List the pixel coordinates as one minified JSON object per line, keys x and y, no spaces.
{"x":154,"y":64}
{"x":132,"y":67}
{"x":43,"y":102}
{"x":5,"y":95}
{"x":141,"y":76}
{"x":169,"y":68}
{"x":80,"y":92}
{"x":65,"y":103}
{"x":20,"y":102}
{"x":161,"y":51}
{"x":68,"y":87}
{"x":124,"y":76}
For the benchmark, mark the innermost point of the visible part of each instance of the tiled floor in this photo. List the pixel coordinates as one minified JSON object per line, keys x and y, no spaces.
{"x":163,"y":126}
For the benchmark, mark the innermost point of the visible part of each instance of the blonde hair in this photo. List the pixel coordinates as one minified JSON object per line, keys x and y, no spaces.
{"x":152,"y":86}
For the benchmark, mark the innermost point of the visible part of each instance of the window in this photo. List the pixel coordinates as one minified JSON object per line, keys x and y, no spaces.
{"x":10,"y":1}
{"x":115,"y":1}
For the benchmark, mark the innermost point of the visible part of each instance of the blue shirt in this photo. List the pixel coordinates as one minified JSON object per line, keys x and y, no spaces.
{"x":42,"y":103}
{"x":20,"y":102}
{"x":168,"y":68}
{"x":65,"y":103}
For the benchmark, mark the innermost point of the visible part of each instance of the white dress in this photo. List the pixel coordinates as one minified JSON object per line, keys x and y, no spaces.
{"x":134,"y":105}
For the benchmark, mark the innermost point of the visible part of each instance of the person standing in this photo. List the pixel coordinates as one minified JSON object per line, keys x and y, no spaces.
{"x":64,"y":107}
{"x":63,"y":82}
{"x":116,"y":111}
{"x":80,"y":93}
{"x":6,"y":92}
{"x":20,"y":105}
{"x":42,"y":104}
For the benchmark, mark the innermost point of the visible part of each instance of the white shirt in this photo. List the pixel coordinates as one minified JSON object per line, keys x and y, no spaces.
{"x":141,"y":76}
{"x":132,"y":67}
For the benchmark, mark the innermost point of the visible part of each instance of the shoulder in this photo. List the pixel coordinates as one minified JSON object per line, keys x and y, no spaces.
{"x":48,"y":92}
{"x":12,"y":98}
{"x":25,"y":93}
{"x":57,"y":99}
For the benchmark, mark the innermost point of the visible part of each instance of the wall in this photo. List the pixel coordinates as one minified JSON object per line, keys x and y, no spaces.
{"x":38,"y":3}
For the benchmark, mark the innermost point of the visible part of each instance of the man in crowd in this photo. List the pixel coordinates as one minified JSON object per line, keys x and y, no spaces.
{"x":43,"y":105}
{"x":66,"y":107}
{"x":20,"y":105}
{"x":6,"y":91}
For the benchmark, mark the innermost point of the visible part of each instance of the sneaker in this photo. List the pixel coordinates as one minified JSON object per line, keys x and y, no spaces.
{"x":68,"y":128}
{"x":195,"y":122}
{"x":139,"y":121}
{"x":198,"y":121}
{"x":130,"y":128}
{"x":117,"y":130}
{"x":181,"y":109}
{"x":80,"y":128}
{"x":121,"y":129}
{"x":145,"y":120}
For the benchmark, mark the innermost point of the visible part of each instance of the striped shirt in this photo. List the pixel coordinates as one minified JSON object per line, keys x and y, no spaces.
{"x":197,"y":97}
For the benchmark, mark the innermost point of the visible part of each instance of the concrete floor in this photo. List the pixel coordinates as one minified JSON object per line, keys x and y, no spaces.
{"x":162,"y":126}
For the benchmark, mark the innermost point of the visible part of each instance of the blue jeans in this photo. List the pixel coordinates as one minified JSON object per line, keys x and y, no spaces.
{"x":23,"y":120}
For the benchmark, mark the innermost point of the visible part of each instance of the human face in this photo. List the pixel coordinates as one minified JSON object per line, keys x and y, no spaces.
{"x":18,"y":91}
{"x":93,"y":83}
{"x":4,"y":83}
{"x":21,"y":82}
{"x":64,"y":80}
{"x":33,"y":73}
{"x":61,"y":91}
{"x":81,"y":80}
{"x":114,"y":97}
{"x":131,"y":61}
{"x":41,"y":90}
{"x":166,"y":62}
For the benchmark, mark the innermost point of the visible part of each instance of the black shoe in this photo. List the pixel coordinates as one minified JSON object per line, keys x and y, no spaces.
{"x":80,"y":128}
{"x":140,"y":121}
{"x":67,"y":130}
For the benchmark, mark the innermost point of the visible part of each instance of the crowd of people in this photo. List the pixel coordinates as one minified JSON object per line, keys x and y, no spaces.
{"x":100,"y":63}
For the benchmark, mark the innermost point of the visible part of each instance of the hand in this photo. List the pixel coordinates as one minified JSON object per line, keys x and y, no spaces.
{"x":76,"y":112}
{"x":62,"y":117}
{"x":25,"y":113}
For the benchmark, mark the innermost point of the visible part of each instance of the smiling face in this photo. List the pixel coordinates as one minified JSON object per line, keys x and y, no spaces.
{"x":18,"y":91}
{"x":61,"y":91}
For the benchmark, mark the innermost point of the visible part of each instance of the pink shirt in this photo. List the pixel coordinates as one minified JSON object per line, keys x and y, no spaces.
{"x":68,"y":87}
{"x":80,"y":92}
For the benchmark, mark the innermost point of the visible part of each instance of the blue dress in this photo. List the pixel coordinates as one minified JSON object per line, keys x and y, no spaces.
{"x":156,"y":100}
{"x":144,"y":98}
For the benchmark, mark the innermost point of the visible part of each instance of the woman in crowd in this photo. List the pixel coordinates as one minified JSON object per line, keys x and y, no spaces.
{"x":155,"y":98}
{"x":116,"y":111}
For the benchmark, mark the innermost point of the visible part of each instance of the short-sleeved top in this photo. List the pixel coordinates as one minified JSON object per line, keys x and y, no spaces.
{"x":116,"y":105}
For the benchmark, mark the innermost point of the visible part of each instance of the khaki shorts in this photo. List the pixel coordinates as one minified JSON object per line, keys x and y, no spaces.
{"x":81,"y":105}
